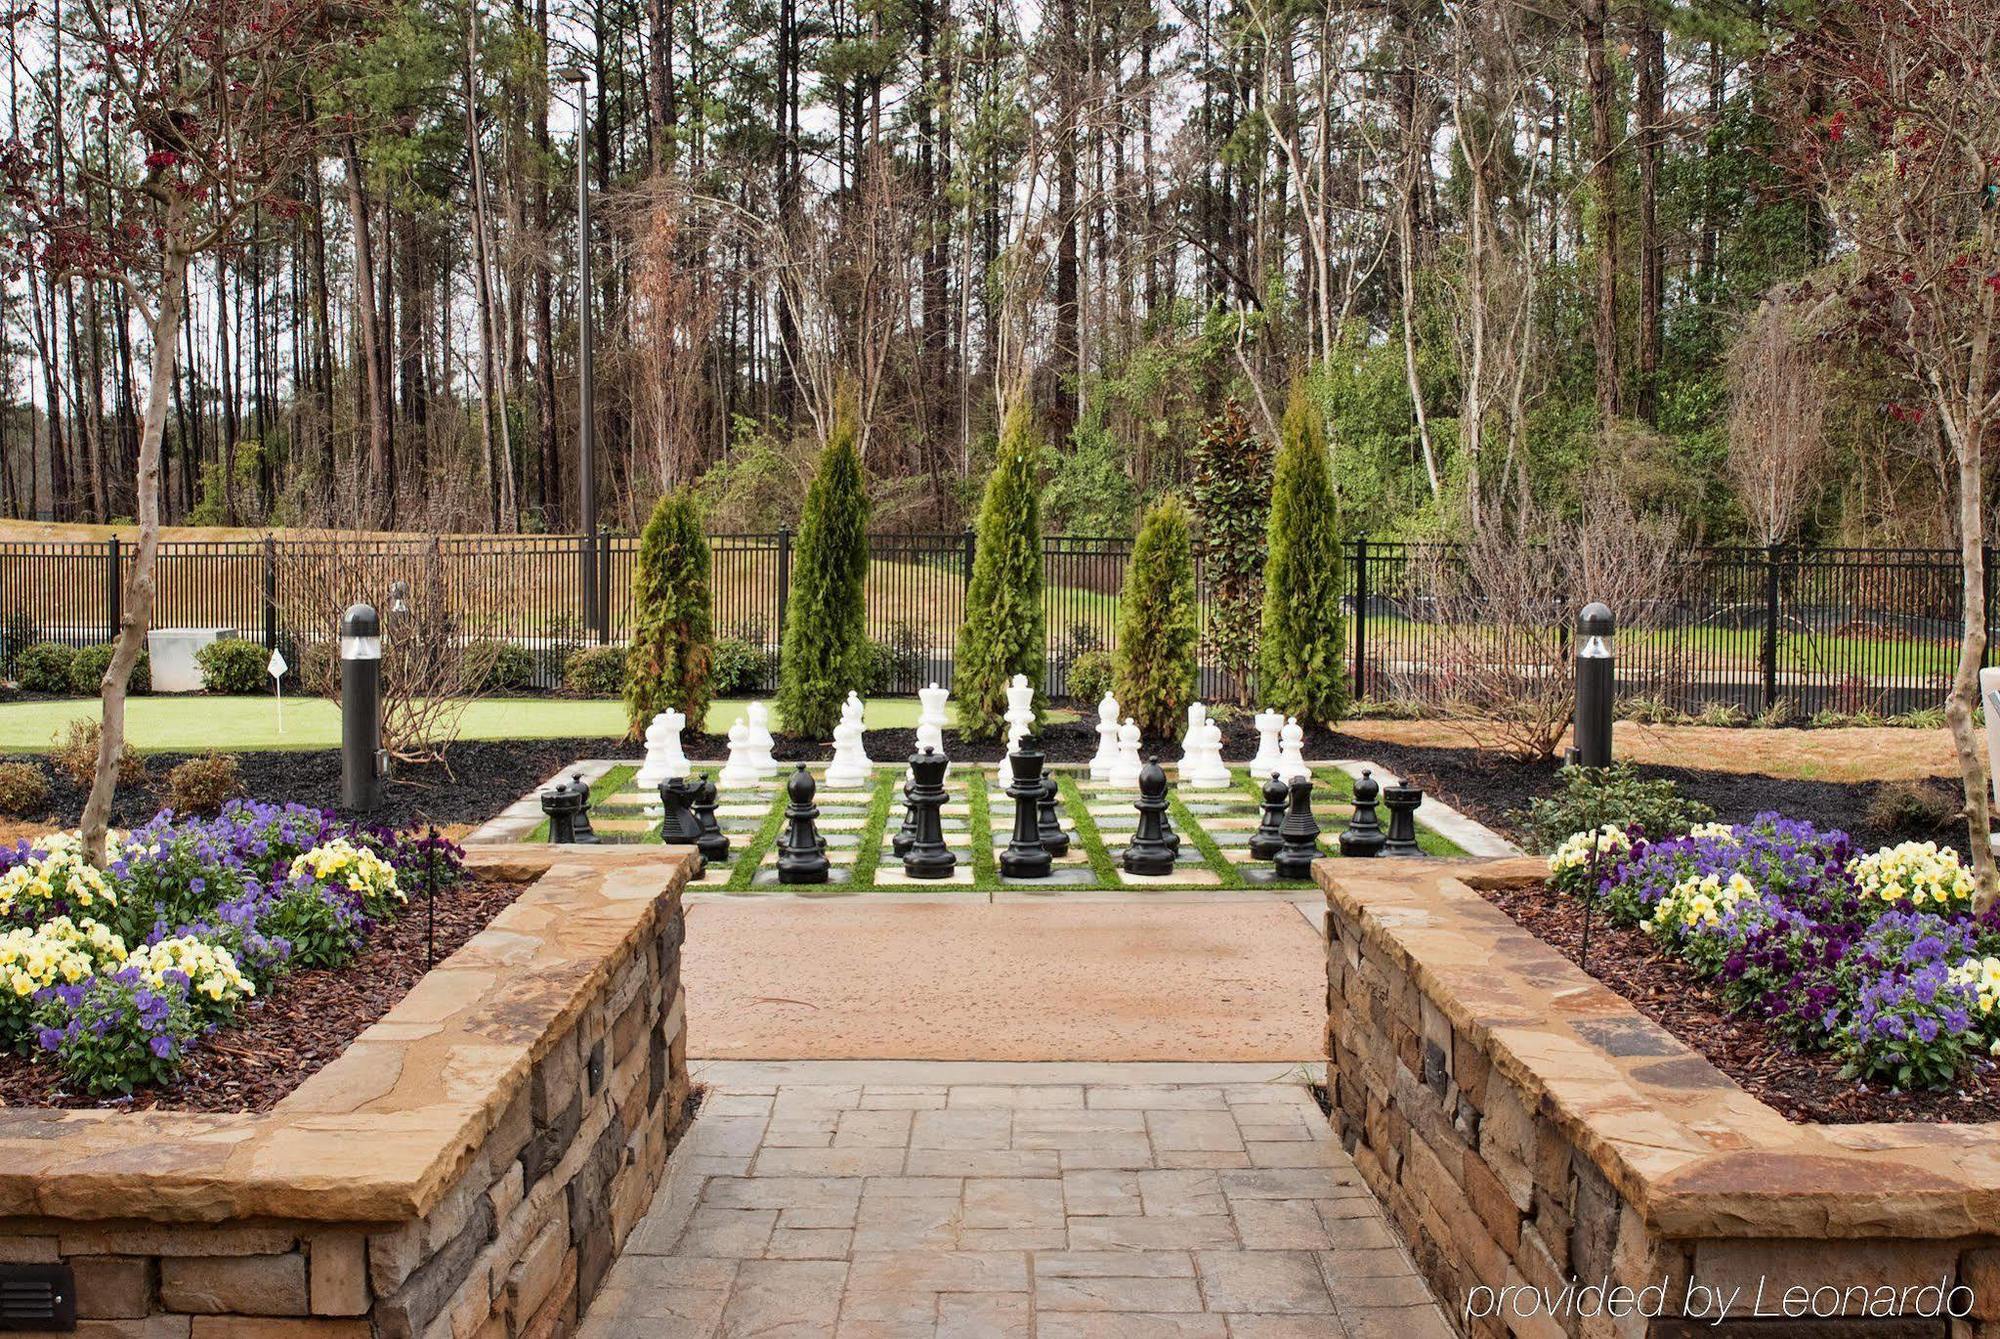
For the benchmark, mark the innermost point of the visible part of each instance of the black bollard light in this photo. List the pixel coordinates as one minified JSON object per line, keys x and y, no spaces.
{"x":362,"y":763}
{"x":1594,"y":628}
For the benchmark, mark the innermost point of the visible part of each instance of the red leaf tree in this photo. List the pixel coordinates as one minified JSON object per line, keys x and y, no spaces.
{"x":1893,"y":112}
{"x":159,"y":131}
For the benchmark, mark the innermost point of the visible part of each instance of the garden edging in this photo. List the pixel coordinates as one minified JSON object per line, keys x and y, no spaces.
{"x":1524,"y":1124}
{"x":471,"y":1163}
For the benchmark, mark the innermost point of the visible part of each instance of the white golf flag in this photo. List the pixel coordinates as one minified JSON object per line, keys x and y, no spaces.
{"x":276,"y":669}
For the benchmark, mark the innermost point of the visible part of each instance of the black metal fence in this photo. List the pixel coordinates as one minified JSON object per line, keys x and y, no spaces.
{"x":1848,"y":630}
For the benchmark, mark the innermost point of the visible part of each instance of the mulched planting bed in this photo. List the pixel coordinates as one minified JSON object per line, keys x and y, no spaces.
{"x":1804,"y":1087}
{"x":277,"y":1043}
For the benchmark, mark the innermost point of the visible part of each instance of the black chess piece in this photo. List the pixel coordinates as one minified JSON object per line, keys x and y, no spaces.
{"x":908,"y":832}
{"x":711,"y":841}
{"x":801,"y":851}
{"x":1149,"y":852}
{"x":1300,"y":831}
{"x":678,"y":824}
{"x":1363,"y":836}
{"x":927,"y":857}
{"x":585,"y":834}
{"x":1402,"y":801}
{"x":1268,"y":840}
{"x":1054,"y":840}
{"x":1025,"y":856}
{"x":562,"y":804}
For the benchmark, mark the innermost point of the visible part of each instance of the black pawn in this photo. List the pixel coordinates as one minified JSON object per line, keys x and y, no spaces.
{"x":1054,"y":840}
{"x":1268,"y":840}
{"x":908,"y":832}
{"x":678,"y":824}
{"x":1402,"y":802}
{"x":584,"y":832}
{"x":712,"y":842}
{"x":927,"y":856}
{"x":1149,"y":852}
{"x":1025,"y":856}
{"x":1363,"y":836}
{"x":1301,"y":833}
{"x":801,"y":853}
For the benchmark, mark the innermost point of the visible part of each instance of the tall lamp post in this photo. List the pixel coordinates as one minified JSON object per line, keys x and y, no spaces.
{"x":586,"y":444}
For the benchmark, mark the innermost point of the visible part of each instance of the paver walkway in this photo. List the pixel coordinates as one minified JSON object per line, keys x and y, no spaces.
{"x":1031,"y":1200}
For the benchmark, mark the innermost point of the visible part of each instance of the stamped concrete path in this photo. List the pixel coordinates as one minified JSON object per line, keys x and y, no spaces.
{"x":888,"y":1200}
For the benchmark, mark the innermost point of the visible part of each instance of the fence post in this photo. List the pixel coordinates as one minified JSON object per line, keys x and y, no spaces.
{"x":114,"y":586}
{"x":1360,"y":616}
{"x":784,"y":587}
{"x":603,"y":585}
{"x":1770,"y":647}
{"x":270,"y":593}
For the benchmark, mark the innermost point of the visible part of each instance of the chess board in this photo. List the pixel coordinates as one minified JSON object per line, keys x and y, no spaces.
{"x":860,"y":824}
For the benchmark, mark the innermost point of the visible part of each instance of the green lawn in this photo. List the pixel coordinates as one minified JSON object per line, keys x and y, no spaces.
{"x":187,"y":724}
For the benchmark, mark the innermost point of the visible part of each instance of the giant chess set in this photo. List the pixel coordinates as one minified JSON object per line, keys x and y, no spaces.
{"x":1123,"y":819}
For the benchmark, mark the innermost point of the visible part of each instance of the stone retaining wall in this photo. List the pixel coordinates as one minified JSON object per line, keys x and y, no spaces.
{"x":469,"y":1166}
{"x":1526,"y":1127}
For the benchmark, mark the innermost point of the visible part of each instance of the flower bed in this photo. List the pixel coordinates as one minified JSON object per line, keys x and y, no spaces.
{"x":1875,"y":960}
{"x":111,"y":979}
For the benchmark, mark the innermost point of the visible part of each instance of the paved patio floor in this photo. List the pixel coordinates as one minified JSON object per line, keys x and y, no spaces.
{"x":889,"y":1199}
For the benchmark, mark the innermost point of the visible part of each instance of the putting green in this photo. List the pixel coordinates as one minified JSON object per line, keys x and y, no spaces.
{"x":196,"y":722}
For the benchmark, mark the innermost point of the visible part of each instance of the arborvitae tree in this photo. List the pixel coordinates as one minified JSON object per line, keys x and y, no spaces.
{"x":1154,"y":674}
{"x":1006,"y":628}
{"x":1302,"y":661}
{"x":670,"y":660}
{"x":826,"y":625}
{"x":1232,"y":507}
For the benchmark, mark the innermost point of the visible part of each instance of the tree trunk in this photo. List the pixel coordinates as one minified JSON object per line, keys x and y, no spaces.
{"x":371,"y":332}
{"x":137,"y":608}
{"x":1604,"y":187}
{"x":1651,"y":99}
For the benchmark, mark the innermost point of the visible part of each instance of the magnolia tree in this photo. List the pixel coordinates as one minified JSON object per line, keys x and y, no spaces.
{"x":1894,"y":115}
{"x":154,"y":132}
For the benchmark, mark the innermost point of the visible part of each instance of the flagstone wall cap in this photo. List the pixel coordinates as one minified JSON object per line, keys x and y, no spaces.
{"x":381,"y":1133}
{"x":1691,"y":1151}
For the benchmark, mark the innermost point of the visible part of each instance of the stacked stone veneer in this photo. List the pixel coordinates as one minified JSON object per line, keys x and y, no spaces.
{"x":1524,"y":1125}
{"x":469,"y":1166}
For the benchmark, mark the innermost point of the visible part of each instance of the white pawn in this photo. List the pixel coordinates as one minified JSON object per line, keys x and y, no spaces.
{"x":741,"y":768}
{"x":1197,"y":717}
{"x":1291,"y":756}
{"x":1268,"y":759}
{"x":930,"y":719}
{"x":1125,"y":769}
{"x":1106,"y":756}
{"x":1209,"y":772}
{"x":850,"y":766}
{"x":761,"y":741}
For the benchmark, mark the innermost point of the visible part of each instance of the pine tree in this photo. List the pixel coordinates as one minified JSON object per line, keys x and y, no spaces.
{"x":826,"y":627}
{"x":1301,"y":663}
{"x":670,"y":660}
{"x":1154,"y":679}
{"x":1006,"y":628}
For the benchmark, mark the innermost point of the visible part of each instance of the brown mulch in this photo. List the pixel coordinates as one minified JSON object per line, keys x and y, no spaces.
{"x":281,"y":1040}
{"x":1806,"y":1087}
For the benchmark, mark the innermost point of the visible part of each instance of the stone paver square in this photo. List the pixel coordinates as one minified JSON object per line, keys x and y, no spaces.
{"x":1194,"y":1131}
{"x":1279,"y":1282}
{"x":965,"y":1127}
{"x":784,"y":1296}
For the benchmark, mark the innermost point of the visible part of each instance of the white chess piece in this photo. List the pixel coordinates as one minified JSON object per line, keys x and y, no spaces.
{"x":664,"y":759}
{"x":761,"y":741}
{"x":860,"y":709}
{"x":1209,"y":771}
{"x":1125,"y":770}
{"x":741,"y":768}
{"x":1106,"y":756}
{"x":1020,"y":718}
{"x":1197,"y":717}
{"x":1291,"y":756}
{"x":1268,"y":759}
{"x":930,"y":718}
{"x":850,"y":766}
